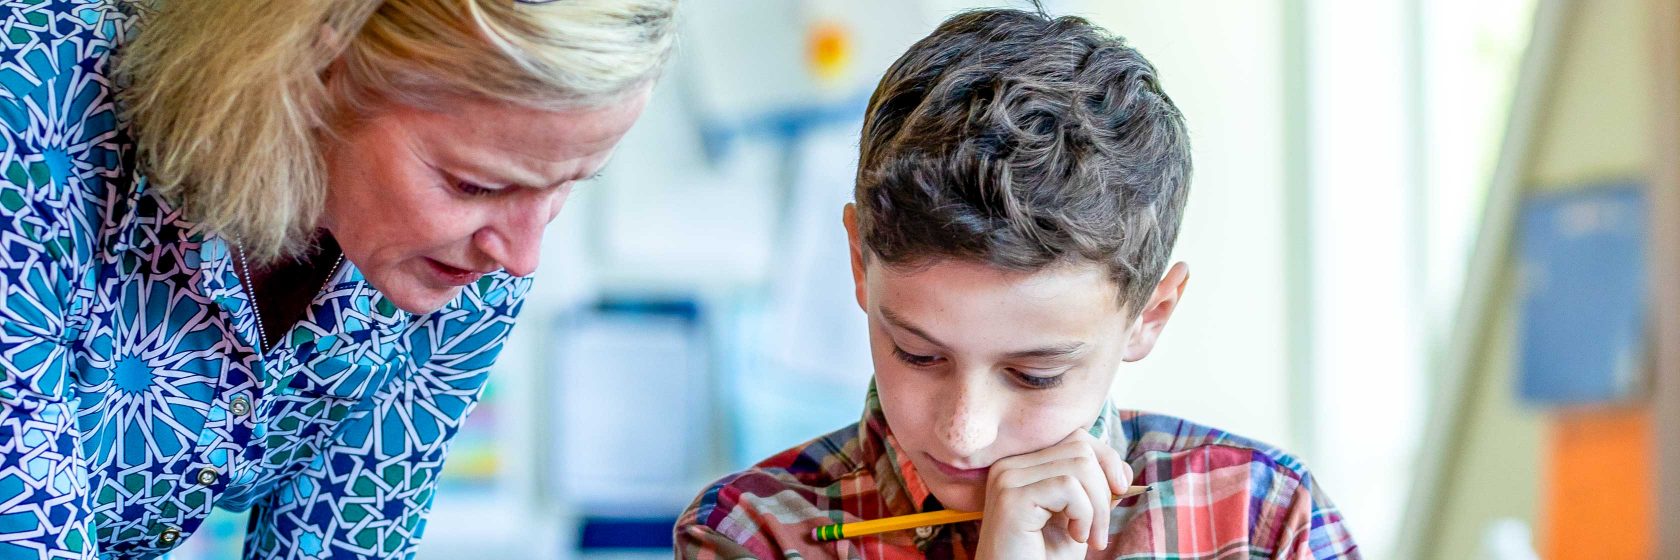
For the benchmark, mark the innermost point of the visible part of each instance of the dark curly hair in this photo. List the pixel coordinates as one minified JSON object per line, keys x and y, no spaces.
{"x":1024,"y":141}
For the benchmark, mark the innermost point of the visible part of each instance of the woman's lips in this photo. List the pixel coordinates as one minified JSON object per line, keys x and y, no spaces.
{"x":960,"y":474}
{"x":453,"y":276}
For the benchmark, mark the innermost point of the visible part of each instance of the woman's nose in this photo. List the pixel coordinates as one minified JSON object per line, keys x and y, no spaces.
{"x":516,"y":242}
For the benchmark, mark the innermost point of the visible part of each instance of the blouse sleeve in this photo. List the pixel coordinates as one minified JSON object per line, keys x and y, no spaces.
{"x":59,"y":149}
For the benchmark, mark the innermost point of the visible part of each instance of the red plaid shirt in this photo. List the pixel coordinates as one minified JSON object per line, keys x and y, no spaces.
{"x":1214,"y":495}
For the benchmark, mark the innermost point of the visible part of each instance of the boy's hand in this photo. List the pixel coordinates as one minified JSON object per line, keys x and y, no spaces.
{"x":1052,"y":503}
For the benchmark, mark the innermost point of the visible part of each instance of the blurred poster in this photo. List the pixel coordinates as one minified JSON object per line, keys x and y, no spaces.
{"x":632,"y":408}
{"x":1582,"y":295}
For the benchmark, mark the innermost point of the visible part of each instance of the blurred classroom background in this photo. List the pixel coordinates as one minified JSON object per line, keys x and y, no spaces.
{"x":1418,"y":231}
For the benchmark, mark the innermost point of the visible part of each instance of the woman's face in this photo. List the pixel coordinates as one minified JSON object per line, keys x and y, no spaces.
{"x":426,"y":202}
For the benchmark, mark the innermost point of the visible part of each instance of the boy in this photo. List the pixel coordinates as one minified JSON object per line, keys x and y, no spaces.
{"x":1019,"y":190}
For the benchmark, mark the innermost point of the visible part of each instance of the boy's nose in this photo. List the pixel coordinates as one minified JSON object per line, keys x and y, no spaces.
{"x":970,"y":424}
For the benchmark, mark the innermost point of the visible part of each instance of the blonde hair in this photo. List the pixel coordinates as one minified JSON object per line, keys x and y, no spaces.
{"x":230,"y":102}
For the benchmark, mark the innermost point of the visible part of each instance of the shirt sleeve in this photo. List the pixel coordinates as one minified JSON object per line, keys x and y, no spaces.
{"x":59,"y":149}
{"x":750,"y":514}
{"x":1312,"y":527}
{"x":367,"y":494}
{"x":695,"y":541}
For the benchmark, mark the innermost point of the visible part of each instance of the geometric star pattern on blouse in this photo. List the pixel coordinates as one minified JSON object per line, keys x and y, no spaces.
{"x":133,"y":398}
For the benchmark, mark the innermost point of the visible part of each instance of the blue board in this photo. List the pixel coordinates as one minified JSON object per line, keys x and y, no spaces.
{"x":1581,"y":280}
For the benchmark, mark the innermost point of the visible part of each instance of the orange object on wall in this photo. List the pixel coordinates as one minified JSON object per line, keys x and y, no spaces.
{"x":1599,"y":484}
{"x":828,"y":49}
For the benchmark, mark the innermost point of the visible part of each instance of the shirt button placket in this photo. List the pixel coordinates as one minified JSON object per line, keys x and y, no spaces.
{"x":208,"y":476}
{"x":169,"y":537}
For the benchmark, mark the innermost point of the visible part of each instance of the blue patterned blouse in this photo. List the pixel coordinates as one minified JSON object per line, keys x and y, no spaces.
{"x":132,"y":399}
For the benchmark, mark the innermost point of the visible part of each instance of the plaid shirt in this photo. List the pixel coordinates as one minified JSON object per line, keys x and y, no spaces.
{"x":1214,"y":495}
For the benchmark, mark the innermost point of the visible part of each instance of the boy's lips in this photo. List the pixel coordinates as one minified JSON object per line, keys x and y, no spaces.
{"x":953,"y":472}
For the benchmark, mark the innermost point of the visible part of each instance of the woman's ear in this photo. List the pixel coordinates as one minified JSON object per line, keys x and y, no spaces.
{"x":1156,"y":311}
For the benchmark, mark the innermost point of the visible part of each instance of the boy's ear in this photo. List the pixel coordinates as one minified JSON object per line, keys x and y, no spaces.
{"x":848,"y":216}
{"x":1156,"y":311}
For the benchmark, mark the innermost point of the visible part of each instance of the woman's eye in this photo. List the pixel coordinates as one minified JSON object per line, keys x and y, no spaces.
{"x":1037,"y":381}
{"x":914,"y":360}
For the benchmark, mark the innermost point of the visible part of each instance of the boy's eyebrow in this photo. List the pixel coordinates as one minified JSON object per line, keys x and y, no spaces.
{"x":1058,"y":351}
{"x":903,"y":324}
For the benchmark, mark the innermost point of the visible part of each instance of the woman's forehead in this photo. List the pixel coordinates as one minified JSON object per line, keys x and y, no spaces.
{"x":508,"y":127}
{"x":535,"y":147}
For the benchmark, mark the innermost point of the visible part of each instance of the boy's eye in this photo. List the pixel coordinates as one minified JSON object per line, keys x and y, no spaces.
{"x":1036,"y":381}
{"x":472,"y":189}
{"x":915,"y":360}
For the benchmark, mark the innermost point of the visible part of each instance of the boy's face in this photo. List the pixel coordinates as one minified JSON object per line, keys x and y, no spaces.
{"x":974,"y":363}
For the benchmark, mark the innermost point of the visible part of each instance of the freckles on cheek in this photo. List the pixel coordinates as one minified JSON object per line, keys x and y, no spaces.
{"x":1039,"y":427}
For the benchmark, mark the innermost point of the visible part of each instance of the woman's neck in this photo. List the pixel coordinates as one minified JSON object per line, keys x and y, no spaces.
{"x":284,"y":289}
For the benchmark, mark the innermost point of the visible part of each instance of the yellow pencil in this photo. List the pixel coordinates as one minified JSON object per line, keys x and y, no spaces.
{"x":839,"y":531}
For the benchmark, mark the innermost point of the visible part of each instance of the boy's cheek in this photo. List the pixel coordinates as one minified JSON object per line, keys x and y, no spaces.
{"x":902,"y":399}
{"x":1038,"y":425}
{"x":913,"y":407}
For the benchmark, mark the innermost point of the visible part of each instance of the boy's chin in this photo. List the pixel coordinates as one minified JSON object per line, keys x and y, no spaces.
{"x":959,"y":496}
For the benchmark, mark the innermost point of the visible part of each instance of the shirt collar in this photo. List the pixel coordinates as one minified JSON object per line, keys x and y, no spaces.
{"x":900,"y":489}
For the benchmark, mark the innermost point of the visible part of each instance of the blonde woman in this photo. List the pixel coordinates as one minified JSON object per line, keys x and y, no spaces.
{"x":260,"y":253}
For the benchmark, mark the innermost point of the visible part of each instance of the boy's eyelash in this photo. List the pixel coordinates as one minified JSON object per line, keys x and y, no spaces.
{"x":1025,"y":379}
{"x":1037,"y":381}
{"x":914,"y":360}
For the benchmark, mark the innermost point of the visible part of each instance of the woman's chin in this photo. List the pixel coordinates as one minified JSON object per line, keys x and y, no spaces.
{"x":427,"y":301}
{"x":415,"y":297}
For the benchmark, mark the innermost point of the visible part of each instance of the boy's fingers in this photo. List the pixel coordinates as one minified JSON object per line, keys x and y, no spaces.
{"x":1093,"y":473}
{"x":1096,"y":480}
{"x":1068,"y":490}
{"x":1060,"y":488}
{"x":1092,"y":488}
{"x":1114,"y":467}
{"x":1115,"y":476}
{"x":1074,"y":529}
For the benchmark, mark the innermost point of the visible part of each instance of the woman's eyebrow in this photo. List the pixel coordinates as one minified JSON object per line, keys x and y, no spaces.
{"x":575,"y":177}
{"x":477,"y":170}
